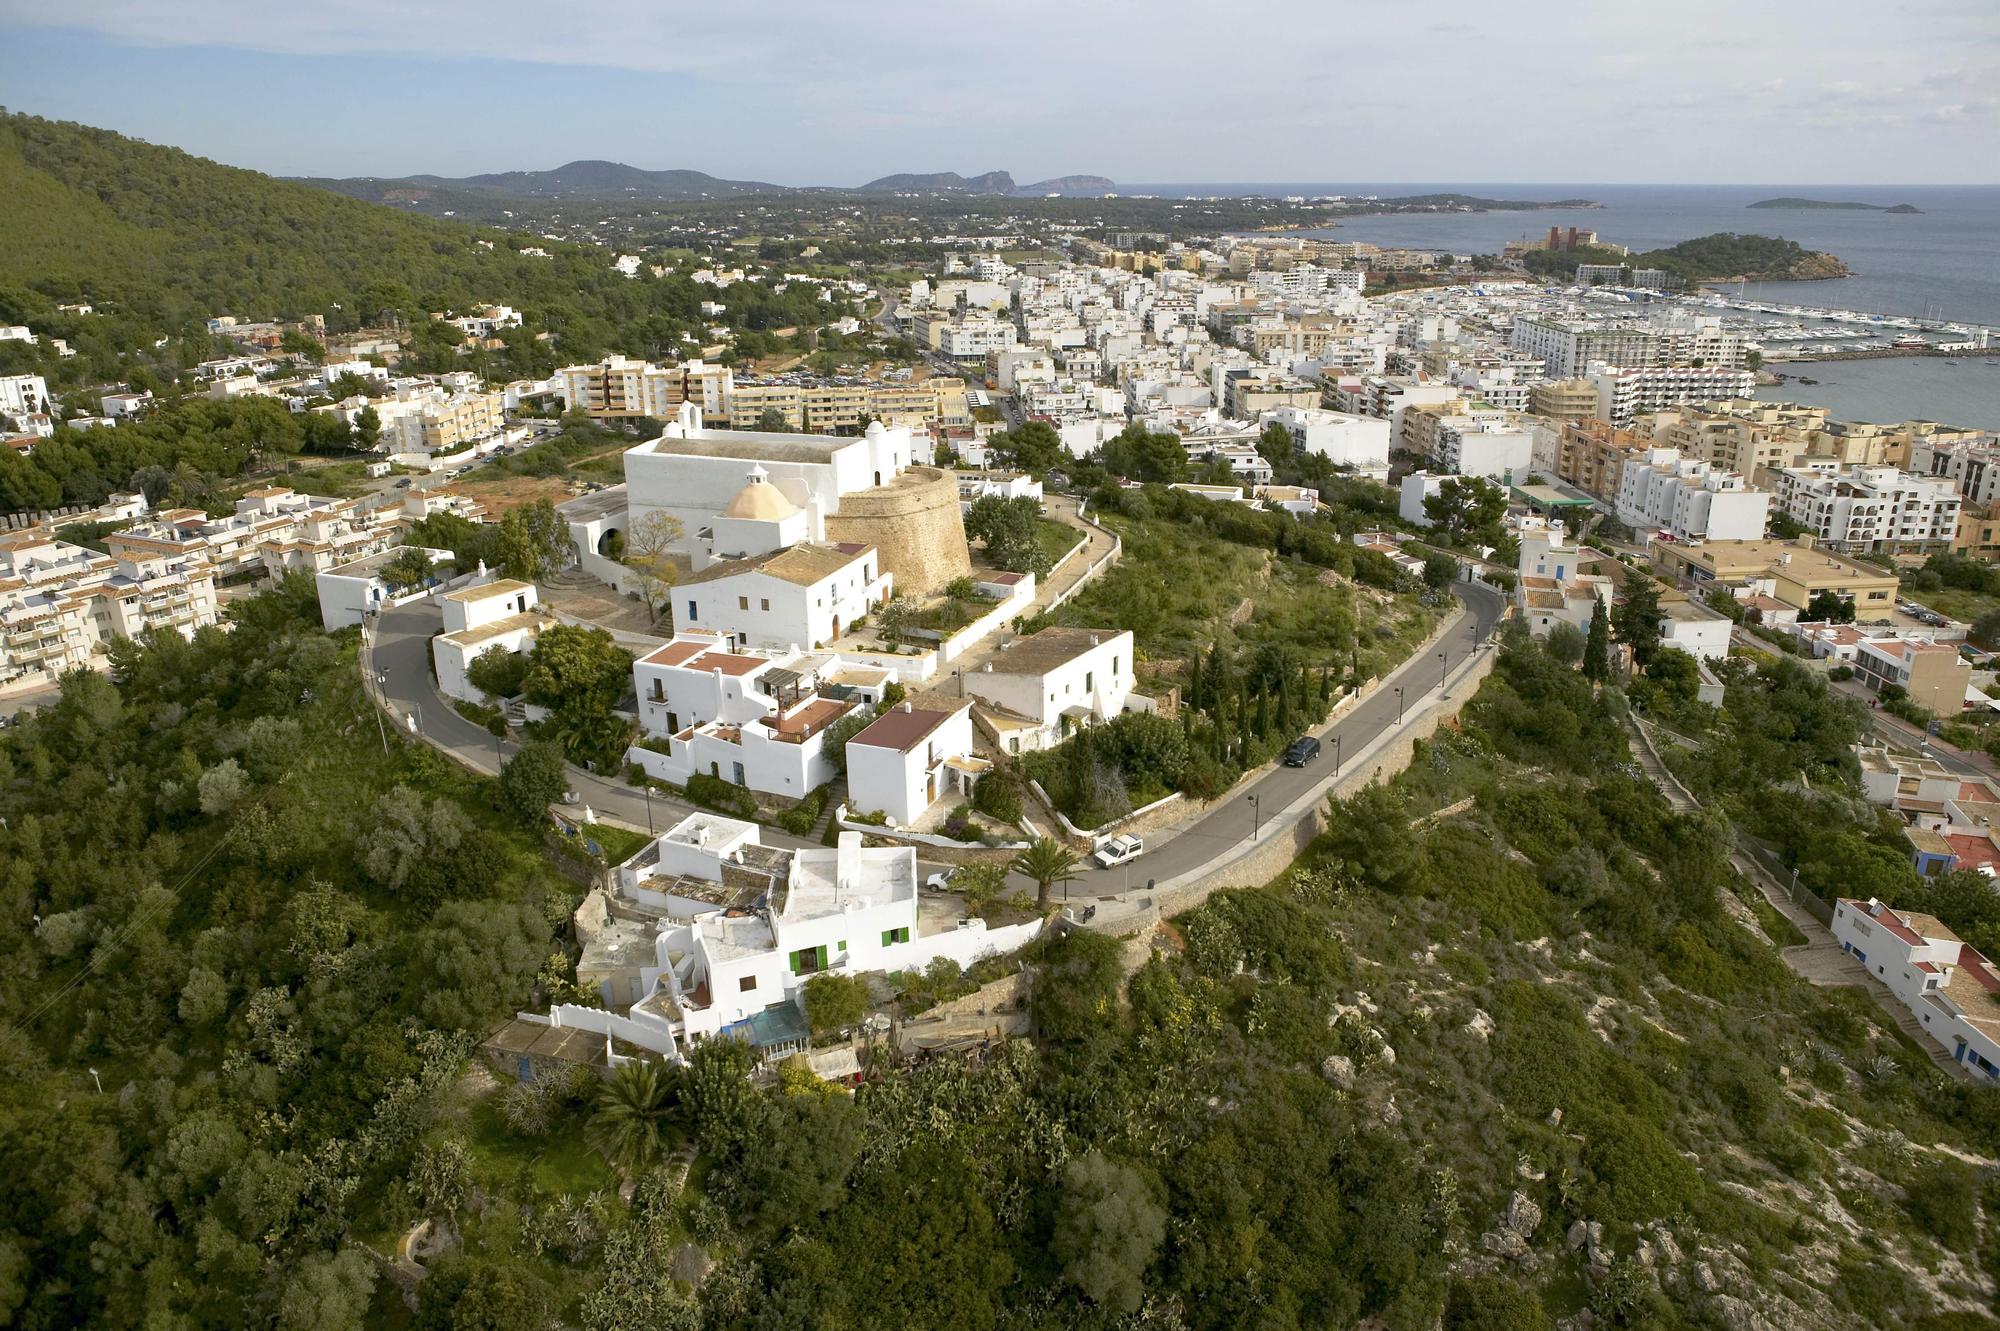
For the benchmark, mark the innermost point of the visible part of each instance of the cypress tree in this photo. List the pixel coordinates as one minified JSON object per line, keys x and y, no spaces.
{"x":1597,"y":645}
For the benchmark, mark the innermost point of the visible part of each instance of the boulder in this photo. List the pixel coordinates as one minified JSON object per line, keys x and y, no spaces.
{"x":691,"y":1264}
{"x":1387,"y":1055}
{"x":1505,"y":1243}
{"x":1480,"y":1025}
{"x":1578,"y":1235}
{"x":1555,"y":1117}
{"x":1670,"y":1251}
{"x":1523,"y":1215}
{"x":1339,"y":1069}
{"x":1704,"y":1278}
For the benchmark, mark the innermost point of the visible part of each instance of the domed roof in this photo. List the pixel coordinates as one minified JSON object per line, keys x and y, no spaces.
{"x":760,"y":501}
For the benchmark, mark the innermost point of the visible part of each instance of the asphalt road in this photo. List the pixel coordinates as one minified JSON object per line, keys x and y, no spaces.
{"x":402,"y":666}
{"x":1230,"y":821}
{"x":401,"y":661}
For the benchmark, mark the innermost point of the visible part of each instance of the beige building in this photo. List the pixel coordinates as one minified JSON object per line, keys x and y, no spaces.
{"x":445,"y":425}
{"x":620,"y":388}
{"x":1591,"y":455}
{"x":1933,"y":673}
{"x":846,"y":408}
{"x":1564,"y":399}
{"x":1793,"y":572}
{"x":61,"y":603}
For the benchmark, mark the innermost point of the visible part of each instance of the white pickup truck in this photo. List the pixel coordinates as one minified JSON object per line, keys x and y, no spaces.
{"x":1119,"y":850}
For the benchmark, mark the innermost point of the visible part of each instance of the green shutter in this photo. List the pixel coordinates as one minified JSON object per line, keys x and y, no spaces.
{"x":822,"y":956}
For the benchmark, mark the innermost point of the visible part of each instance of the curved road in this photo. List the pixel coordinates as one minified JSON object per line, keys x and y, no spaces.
{"x":401,"y":659}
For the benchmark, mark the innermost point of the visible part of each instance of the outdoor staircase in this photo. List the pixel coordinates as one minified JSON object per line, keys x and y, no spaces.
{"x":1658,"y":773}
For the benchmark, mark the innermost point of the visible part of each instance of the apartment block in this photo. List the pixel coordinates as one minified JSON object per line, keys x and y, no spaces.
{"x":1871,"y":508}
{"x":1689,"y":499}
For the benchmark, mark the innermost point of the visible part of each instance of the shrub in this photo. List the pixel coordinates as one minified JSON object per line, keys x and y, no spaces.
{"x":998,"y":794}
{"x":713,"y":792}
{"x":799,"y":819}
{"x":835,"y":1002}
{"x":533,"y":779}
{"x":958,"y":824}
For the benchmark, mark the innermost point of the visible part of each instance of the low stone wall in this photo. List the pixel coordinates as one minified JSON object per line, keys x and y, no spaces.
{"x":1007,"y":993}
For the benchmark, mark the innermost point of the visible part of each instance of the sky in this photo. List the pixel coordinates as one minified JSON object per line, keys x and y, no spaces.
{"x":811,"y":92}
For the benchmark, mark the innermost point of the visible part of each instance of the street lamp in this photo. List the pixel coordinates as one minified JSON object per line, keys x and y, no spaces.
{"x":1399,"y":704}
{"x":648,"y":790}
{"x":1336,"y":755}
{"x":1443,"y":671}
{"x":1256,"y":815}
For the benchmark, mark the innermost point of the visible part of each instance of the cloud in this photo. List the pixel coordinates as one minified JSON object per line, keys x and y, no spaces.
{"x":1137,"y":88}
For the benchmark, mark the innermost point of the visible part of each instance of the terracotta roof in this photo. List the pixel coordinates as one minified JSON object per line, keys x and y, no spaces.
{"x":902,"y":729}
{"x":728,"y":663}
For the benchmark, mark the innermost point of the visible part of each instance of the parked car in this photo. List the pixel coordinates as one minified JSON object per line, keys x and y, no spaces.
{"x":1119,"y":850}
{"x":1302,"y":751}
{"x":941,"y":880}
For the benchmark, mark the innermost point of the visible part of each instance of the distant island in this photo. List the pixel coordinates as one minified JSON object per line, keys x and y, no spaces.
{"x":1071,"y":185}
{"x":1838,"y":204}
{"x":1724,"y":256}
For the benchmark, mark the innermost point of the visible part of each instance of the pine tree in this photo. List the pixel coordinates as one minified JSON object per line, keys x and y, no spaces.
{"x":1597,"y":645}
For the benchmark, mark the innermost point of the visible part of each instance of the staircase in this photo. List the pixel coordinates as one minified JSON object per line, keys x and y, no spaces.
{"x":1650,"y":762}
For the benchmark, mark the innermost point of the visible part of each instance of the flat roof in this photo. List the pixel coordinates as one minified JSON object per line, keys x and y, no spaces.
{"x":750,"y":445}
{"x":487,"y":591}
{"x":1039,"y":653}
{"x":499,"y":628}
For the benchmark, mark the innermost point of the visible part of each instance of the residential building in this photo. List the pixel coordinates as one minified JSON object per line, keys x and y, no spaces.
{"x":440,"y":423}
{"x":1871,"y":508}
{"x":1563,"y":399}
{"x":1689,"y":499}
{"x":60,"y":604}
{"x":1791,"y":572}
{"x":1952,"y":989}
{"x":1624,"y":392}
{"x":1038,"y":690}
{"x":1569,"y":347}
{"x":502,"y":615}
{"x":1933,"y":674}
{"x":756,"y":719}
{"x":23,"y":395}
{"x":802,"y":595}
{"x":349,"y":593}
{"x":620,"y":388}
{"x":909,"y":758}
{"x":1590,"y":455}
{"x":1551,"y":586}
{"x":1345,"y":440}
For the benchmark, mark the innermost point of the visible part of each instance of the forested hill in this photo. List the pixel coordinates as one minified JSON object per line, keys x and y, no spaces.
{"x":164,"y":238}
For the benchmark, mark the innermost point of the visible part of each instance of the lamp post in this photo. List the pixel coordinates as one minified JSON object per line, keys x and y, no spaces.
{"x":648,"y":789}
{"x":1399,"y":704}
{"x":1444,"y":670}
{"x":1256,"y":815}
{"x":1336,"y":755}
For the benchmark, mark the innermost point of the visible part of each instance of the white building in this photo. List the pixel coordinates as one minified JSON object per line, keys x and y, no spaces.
{"x":350,"y":592}
{"x":1041,"y":688}
{"x":1953,"y":990}
{"x":1691,"y":499}
{"x":1361,"y":442}
{"x":60,"y":604}
{"x":494,"y":616}
{"x":23,"y":395}
{"x":695,"y":474}
{"x":1870,"y":508}
{"x":1551,"y":587}
{"x":1624,"y":393}
{"x":803,"y":595}
{"x":909,"y":758}
{"x":756,"y":719}
{"x":1492,"y":449}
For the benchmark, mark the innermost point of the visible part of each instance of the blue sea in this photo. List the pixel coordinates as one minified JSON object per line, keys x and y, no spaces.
{"x":1944,"y":263}
{"x":1941,"y":264}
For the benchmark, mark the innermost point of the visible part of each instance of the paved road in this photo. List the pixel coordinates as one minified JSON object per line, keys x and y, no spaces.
{"x":1228,"y":822}
{"x":401,"y":647}
{"x":401,"y":659}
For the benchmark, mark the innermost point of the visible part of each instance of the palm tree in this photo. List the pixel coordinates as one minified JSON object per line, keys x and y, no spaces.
{"x":1048,"y":862}
{"x":639,"y":1114}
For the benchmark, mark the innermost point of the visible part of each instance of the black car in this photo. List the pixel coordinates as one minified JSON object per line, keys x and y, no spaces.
{"x":1302,"y":751}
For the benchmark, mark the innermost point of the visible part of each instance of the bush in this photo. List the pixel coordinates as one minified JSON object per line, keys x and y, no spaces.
{"x":958,"y":824}
{"x":998,"y":794}
{"x":712,"y":792}
{"x":1840,"y":674}
{"x":533,"y":779}
{"x":835,"y":1002}
{"x":799,"y":819}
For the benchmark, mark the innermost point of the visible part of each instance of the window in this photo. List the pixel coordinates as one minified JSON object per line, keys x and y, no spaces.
{"x":746,"y":984}
{"x":892,"y":936}
{"x":809,"y":960}
{"x":742,"y":603}
{"x":692,"y":612}
{"x":764,"y":603}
